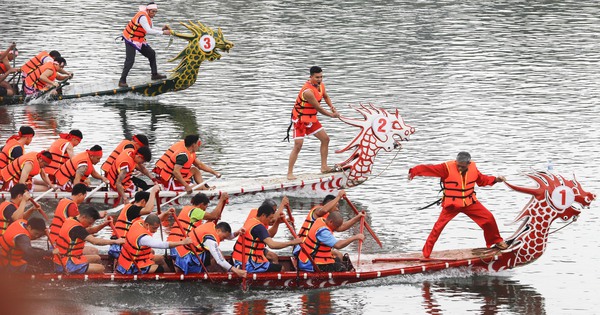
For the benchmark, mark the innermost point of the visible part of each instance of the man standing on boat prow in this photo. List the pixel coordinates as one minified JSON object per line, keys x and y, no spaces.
{"x":304,"y":119}
{"x":458,"y":179}
{"x":134,"y":35}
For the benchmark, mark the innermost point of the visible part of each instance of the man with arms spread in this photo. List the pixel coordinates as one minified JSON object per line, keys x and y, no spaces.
{"x":134,"y":35}
{"x":179,"y":164}
{"x":304,"y":119}
{"x":459,"y":178}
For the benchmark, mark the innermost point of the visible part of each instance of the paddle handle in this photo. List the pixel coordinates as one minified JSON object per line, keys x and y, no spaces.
{"x":367,"y":226}
{"x":62,"y":264}
{"x":289,"y":211}
{"x":193,"y":188}
{"x":37,"y":206}
{"x":43,"y":194}
{"x":360,"y":242}
{"x":94,"y":191}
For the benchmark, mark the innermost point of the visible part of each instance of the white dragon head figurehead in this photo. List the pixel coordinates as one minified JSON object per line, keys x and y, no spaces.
{"x":380,"y":129}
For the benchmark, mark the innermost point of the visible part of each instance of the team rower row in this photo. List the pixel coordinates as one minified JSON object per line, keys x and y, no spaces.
{"x":194,"y":238}
{"x":60,"y":168}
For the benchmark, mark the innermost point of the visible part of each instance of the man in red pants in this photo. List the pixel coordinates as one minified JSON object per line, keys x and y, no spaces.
{"x":458,"y":179}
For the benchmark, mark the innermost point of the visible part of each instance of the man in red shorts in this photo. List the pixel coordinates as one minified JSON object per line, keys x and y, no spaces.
{"x":304,"y":118}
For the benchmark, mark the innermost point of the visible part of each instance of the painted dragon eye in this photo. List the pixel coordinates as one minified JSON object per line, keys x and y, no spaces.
{"x":396,"y":125}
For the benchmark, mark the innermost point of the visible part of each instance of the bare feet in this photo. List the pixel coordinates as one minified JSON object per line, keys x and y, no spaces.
{"x":501,"y":245}
{"x":291,"y":176}
{"x":327,"y":170}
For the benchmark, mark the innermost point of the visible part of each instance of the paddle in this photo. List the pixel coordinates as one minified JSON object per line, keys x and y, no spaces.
{"x":39,"y":208}
{"x":43,"y":194}
{"x":119,"y":207}
{"x":94,"y":191}
{"x":360,"y":242}
{"x":312,"y":260}
{"x":367,"y":226}
{"x":193,"y":247}
{"x":159,"y":212}
{"x":57,"y":254}
{"x":39,"y":95}
{"x":193,"y":188}
{"x":244,"y":286}
{"x":289,"y":211}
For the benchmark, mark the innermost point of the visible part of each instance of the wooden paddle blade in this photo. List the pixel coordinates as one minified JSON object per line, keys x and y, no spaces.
{"x":367,"y":226}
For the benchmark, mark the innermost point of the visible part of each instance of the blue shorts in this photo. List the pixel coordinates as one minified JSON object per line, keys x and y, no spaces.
{"x":133,"y":270}
{"x":189,"y":263}
{"x":255,"y":267}
{"x":114,"y":251}
{"x":72,"y":267}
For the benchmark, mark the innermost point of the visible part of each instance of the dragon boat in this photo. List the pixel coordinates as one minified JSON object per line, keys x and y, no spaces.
{"x":203,"y":44}
{"x":379,"y":129}
{"x":555,"y":197}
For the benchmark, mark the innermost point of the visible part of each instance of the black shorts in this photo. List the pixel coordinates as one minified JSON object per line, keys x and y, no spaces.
{"x":3,"y":91}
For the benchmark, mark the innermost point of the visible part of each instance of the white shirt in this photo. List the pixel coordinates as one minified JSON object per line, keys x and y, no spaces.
{"x":149,"y":241}
{"x":215,"y":252}
{"x":146,"y":25}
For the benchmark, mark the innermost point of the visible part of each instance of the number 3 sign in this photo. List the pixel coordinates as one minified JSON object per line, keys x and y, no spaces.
{"x":207,"y":43}
{"x":563,"y":197}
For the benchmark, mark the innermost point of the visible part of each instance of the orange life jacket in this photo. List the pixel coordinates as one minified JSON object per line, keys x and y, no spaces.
{"x":166,"y":164}
{"x":5,"y":222}
{"x":308,"y":222}
{"x":5,"y":154}
{"x":115,"y":168}
{"x":459,"y":189}
{"x":69,"y":249}
{"x":33,"y":79}
{"x":2,"y":68}
{"x":60,"y":215}
{"x":320,"y":252}
{"x":12,"y":172}
{"x":132,"y":254}
{"x":66,"y":172}
{"x":134,"y":30}
{"x":35,"y":62}
{"x":116,"y":152}
{"x":9,"y":253}
{"x":123,"y":224}
{"x":303,"y":111}
{"x":185,"y":220}
{"x":58,"y":149}
{"x":254,"y":246}
{"x":198,"y":236}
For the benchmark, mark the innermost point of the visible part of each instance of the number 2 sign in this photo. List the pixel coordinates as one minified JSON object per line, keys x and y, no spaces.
{"x":207,"y":43}
{"x":381,"y":127}
{"x":563,"y":197}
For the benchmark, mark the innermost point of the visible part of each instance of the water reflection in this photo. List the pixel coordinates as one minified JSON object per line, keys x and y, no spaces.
{"x":494,"y":294}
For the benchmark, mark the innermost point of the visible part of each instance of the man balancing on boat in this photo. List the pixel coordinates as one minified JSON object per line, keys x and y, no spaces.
{"x":134,"y":36}
{"x":179,"y":165}
{"x":458,"y":180}
{"x":305,"y":122}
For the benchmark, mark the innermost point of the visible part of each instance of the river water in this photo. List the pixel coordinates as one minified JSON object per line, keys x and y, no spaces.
{"x":513,"y":83}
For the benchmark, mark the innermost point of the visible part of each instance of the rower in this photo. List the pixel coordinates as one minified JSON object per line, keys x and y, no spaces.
{"x":15,"y":145}
{"x":136,"y":255}
{"x":69,"y":208}
{"x":22,"y":170}
{"x":136,"y":142}
{"x":143,"y":204}
{"x":77,"y":169}
{"x":71,"y":240}
{"x":13,"y":210}
{"x":15,"y":245}
{"x":179,"y":164}
{"x":319,"y":243}
{"x":43,"y":77}
{"x":256,"y":237}
{"x":5,"y":69}
{"x":206,"y":239}
{"x":62,"y":150}
{"x":191,"y":216}
{"x":121,"y":170}
{"x":329,"y":205}
{"x":39,"y":60}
